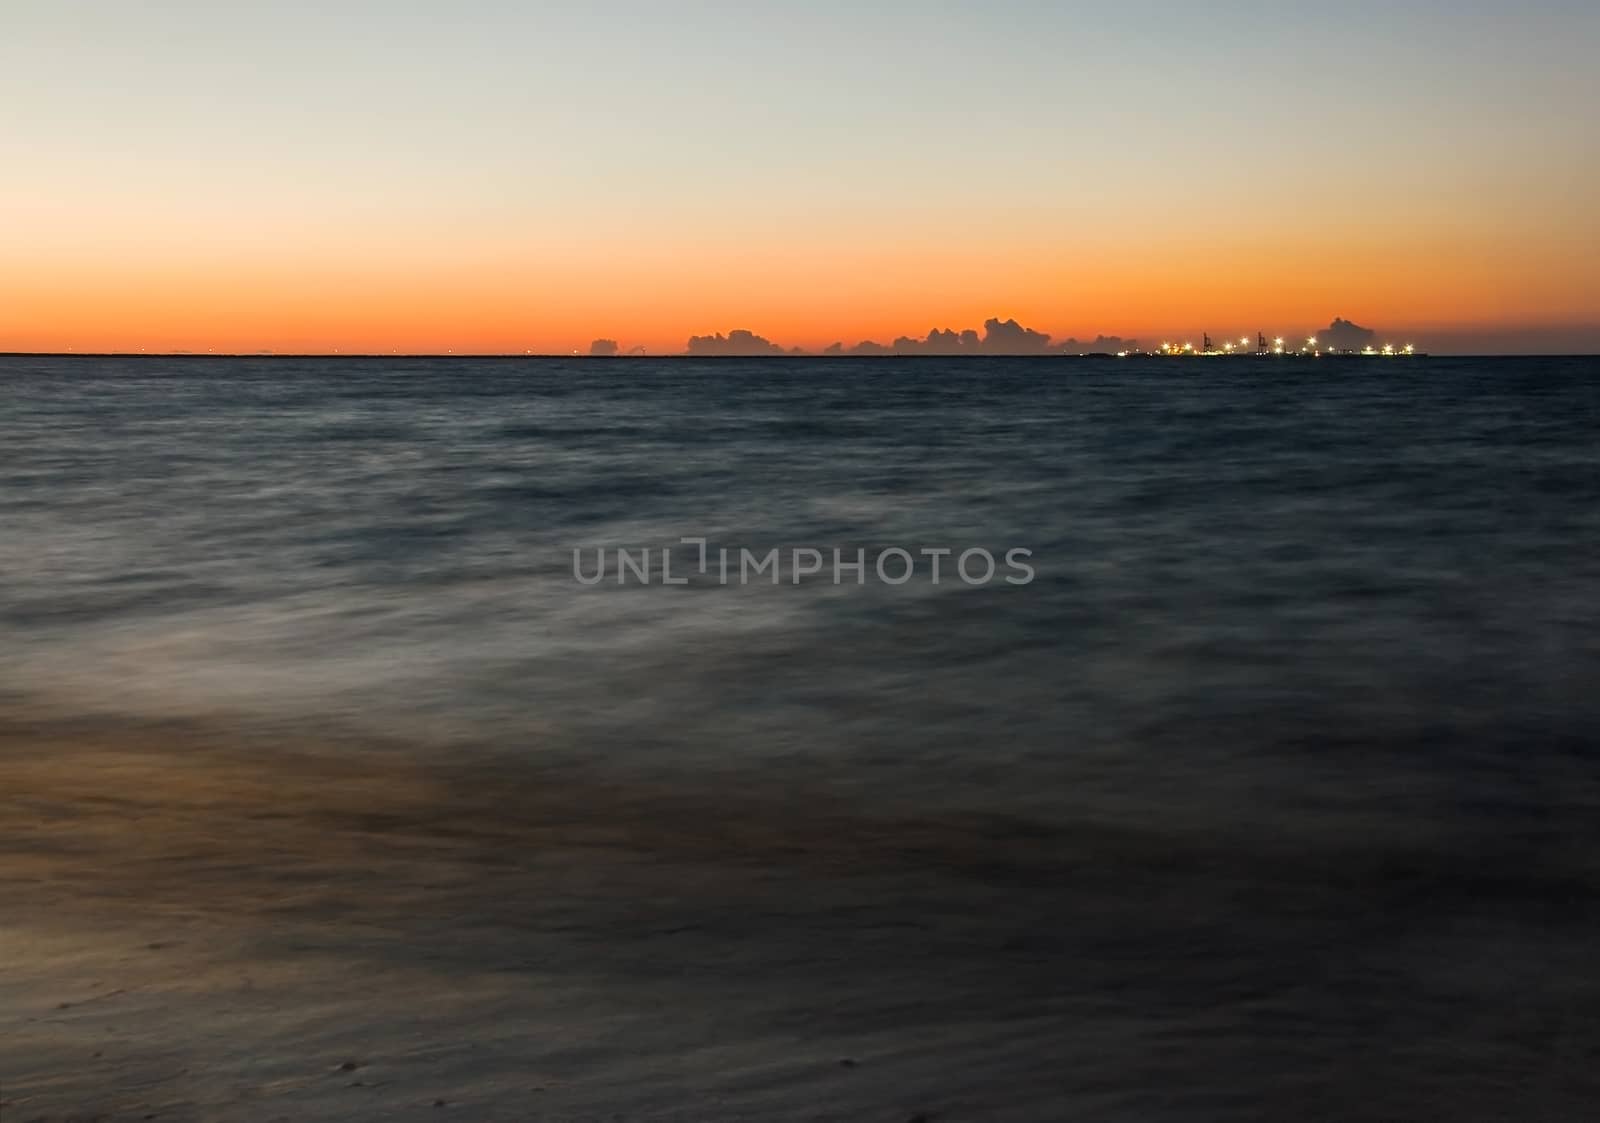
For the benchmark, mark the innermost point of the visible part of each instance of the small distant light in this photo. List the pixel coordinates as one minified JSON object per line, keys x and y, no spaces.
{"x":1278,"y":342}
{"x":1312,"y":342}
{"x":1244,"y":341}
{"x":1409,"y":348}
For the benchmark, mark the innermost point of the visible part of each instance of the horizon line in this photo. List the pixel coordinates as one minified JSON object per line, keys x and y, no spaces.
{"x":784,"y":355}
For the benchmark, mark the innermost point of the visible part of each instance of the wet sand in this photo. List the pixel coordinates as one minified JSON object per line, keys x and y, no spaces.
{"x":200,"y":926}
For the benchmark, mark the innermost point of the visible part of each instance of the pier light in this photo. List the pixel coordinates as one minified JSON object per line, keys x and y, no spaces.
{"x":1388,"y":348}
{"x":1244,"y":341}
{"x":1278,"y":342}
{"x":1312,"y":342}
{"x":1188,"y":346}
{"x":1409,"y":348}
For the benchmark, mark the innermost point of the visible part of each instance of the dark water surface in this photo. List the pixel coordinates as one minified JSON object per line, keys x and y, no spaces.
{"x":1239,"y":567}
{"x":1276,"y":790}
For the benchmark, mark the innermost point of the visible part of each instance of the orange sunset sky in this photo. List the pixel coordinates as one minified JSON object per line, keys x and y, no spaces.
{"x":489,"y":178}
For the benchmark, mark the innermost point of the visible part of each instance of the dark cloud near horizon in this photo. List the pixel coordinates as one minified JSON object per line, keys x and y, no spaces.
{"x":1007,"y":337}
{"x":739,"y":341}
{"x":1100,"y":345}
{"x":940,"y":342}
{"x":1346,"y":336}
{"x":999,"y":337}
{"x":865,"y":347}
{"x":603,"y":348}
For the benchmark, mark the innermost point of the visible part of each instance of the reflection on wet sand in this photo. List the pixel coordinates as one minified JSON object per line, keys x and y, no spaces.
{"x":198,"y":928}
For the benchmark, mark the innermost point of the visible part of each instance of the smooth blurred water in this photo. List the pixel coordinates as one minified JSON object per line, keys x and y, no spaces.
{"x":1273,"y":796}
{"x":1289,"y":587}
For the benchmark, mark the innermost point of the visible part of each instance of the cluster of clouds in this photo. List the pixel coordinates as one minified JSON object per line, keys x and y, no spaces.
{"x":999,"y":337}
{"x":736,"y":342}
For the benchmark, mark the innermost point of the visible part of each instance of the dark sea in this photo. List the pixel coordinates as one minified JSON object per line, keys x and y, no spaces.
{"x":1273,"y":793}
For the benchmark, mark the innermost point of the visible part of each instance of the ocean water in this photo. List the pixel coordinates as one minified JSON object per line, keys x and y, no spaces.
{"x":1236,"y":565}
{"x":1291,"y":742}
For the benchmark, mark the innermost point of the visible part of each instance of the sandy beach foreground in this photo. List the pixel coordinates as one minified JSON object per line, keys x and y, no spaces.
{"x":196,"y":927}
